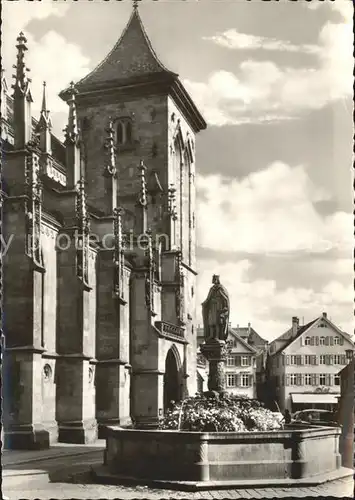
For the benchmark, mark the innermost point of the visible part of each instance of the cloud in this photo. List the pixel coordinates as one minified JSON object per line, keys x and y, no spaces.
{"x":232,"y":39}
{"x":50,"y":58}
{"x":268,"y":212}
{"x":262,"y":91}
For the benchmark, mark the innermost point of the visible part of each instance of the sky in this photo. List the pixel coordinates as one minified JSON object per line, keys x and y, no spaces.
{"x":274,"y":186}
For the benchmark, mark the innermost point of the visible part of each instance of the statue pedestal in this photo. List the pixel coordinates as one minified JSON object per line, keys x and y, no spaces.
{"x":215,"y":352}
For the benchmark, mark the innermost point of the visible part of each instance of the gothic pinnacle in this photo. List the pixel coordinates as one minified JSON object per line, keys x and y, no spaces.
{"x":44,"y":118}
{"x":110,"y":147}
{"x":44,"y":103}
{"x":143,"y":185}
{"x":71,"y":131}
{"x":21,"y":85}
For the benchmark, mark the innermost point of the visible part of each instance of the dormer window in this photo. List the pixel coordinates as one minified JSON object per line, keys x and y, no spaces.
{"x":124,"y":135}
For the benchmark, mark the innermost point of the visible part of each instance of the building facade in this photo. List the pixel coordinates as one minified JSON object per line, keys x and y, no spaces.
{"x":99,"y":272}
{"x":303,"y":365}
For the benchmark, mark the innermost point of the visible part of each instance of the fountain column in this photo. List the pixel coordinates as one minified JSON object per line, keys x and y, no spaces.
{"x":215,"y":312}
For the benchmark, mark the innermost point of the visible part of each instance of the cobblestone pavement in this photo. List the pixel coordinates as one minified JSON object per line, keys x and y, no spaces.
{"x":40,"y":487}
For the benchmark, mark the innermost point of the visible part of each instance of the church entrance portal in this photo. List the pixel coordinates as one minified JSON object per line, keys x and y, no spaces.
{"x":172,"y":389}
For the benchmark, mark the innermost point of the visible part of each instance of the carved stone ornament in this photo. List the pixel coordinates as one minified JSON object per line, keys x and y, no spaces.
{"x":47,"y":372}
{"x":82,"y":243}
{"x":33,"y":209}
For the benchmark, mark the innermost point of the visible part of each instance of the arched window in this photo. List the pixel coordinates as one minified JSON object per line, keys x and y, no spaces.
{"x":124,"y":132}
{"x":336,"y":340}
{"x":321,"y":340}
{"x":307,"y":341}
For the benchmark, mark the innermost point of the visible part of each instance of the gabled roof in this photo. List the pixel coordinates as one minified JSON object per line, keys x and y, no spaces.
{"x":242,"y":341}
{"x":289,"y":337}
{"x":252,"y":336}
{"x":132,"y":56}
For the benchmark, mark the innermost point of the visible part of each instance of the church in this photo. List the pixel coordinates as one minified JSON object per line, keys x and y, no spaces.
{"x":99,"y":249}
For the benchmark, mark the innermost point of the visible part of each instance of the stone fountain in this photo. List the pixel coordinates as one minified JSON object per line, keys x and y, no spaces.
{"x":296,"y":455}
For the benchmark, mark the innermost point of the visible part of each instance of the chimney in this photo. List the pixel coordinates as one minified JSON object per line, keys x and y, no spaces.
{"x":295,"y":325}
{"x":324,"y":315}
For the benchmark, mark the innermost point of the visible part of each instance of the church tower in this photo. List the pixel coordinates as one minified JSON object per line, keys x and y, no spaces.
{"x":152,"y":123}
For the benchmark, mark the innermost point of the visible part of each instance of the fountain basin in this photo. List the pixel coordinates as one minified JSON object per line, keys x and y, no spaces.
{"x":295,"y":453}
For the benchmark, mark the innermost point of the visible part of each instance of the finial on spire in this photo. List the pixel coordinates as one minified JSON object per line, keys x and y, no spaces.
{"x":135,"y":4}
{"x":142,"y":199}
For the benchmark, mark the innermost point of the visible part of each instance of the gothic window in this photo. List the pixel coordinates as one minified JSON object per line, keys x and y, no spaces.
{"x":124,"y":132}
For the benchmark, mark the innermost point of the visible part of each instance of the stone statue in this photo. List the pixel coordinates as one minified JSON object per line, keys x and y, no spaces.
{"x":215,"y":312}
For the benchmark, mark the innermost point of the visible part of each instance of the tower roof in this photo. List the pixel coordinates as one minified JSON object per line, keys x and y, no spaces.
{"x":133,"y":66}
{"x":131,"y":57}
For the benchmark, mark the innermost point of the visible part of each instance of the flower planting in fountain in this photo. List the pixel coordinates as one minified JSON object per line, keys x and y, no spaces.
{"x":224,"y":414}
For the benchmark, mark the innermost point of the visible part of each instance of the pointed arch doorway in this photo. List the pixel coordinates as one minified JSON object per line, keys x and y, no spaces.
{"x":172,"y":382}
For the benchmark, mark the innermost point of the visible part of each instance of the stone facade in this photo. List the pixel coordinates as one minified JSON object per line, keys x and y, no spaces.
{"x":99,"y":271}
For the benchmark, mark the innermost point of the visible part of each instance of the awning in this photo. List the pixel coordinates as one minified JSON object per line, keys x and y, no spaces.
{"x":202,"y":373}
{"x":315,"y":398}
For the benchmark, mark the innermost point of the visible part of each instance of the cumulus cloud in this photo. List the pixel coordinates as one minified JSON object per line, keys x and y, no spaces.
{"x":50,"y":58}
{"x":263,"y":91}
{"x":233,"y":39}
{"x":268,"y":212}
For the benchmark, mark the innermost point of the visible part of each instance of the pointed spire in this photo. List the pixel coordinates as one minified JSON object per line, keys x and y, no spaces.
{"x":44,"y":103}
{"x":110,"y":167}
{"x":132,"y":56}
{"x":110,"y":149}
{"x":21,"y":85}
{"x":73,"y":153}
{"x":44,"y":126}
{"x":22,"y":97}
{"x":71,"y":130}
{"x":118,"y":256}
{"x":141,"y":205}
